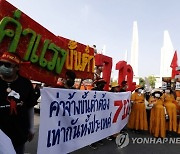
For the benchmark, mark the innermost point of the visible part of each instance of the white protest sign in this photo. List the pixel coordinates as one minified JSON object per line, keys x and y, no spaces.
{"x":71,"y":119}
{"x":6,"y":146}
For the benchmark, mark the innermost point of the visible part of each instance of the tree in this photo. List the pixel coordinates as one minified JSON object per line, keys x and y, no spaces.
{"x":142,"y":82}
{"x":152,"y":81}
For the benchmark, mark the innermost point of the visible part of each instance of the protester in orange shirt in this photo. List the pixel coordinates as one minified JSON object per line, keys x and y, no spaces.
{"x":169,"y":99}
{"x":157,"y":117}
{"x":138,"y":118}
{"x":177,"y":103}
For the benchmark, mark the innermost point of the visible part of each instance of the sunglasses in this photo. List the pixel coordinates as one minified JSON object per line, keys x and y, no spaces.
{"x":6,"y":64}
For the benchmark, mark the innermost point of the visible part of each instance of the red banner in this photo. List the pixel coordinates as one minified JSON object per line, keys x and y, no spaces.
{"x":48,"y":56}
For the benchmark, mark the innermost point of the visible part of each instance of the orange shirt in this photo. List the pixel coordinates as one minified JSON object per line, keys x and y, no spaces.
{"x":137,"y":98}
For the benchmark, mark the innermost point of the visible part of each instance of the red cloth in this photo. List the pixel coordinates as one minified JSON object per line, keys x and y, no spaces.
{"x":174,"y":64}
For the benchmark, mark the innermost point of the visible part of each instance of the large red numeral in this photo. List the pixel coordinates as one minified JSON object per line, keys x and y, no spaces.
{"x":121,"y":66}
{"x":106,"y":62}
{"x":130,"y":83}
{"x":125,"y":73}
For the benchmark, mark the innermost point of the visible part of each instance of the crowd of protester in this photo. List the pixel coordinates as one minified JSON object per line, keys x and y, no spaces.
{"x":163,"y":105}
{"x":159,"y":117}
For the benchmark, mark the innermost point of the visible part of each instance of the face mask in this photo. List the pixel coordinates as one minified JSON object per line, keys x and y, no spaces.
{"x":167,"y":91}
{"x":4,"y":71}
{"x":157,"y":95}
{"x":140,"y":90}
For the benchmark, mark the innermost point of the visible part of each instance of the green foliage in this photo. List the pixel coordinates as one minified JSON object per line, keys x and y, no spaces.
{"x":142,"y":82}
{"x":152,"y":81}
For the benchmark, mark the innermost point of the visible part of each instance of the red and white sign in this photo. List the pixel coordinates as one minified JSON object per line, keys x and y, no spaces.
{"x":72,"y":119}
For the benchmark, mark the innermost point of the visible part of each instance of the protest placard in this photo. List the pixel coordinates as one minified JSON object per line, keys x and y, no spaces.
{"x":71,"y":119}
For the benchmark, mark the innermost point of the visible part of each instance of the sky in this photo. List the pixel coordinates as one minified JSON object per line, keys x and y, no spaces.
{"x":109,"y":23}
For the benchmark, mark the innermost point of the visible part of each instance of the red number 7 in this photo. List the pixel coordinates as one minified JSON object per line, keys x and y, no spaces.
{"x":102,"y":60}
{"x":120,"y":104}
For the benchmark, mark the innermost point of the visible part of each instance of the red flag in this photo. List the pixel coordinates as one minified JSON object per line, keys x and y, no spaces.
{"x":174,"y":64}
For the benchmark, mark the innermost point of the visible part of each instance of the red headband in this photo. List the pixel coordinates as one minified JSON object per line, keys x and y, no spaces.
{"x":10,"y":57}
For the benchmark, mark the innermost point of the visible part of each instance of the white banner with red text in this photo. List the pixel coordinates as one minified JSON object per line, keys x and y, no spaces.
{"x":71,"y":119}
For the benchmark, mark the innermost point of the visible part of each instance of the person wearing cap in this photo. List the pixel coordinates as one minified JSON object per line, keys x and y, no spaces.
{"x":16,"y":102}
{"x":115,"y":87}
{"x":169,"y":102}
{"x":138,"y":118}
{"x":157,"y":116}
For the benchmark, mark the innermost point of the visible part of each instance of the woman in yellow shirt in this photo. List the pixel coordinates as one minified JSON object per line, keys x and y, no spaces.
{"x":157,"y":117}
{"x":169,"y":103}
{"x":138,"y":117}
{"x":177,"y":103}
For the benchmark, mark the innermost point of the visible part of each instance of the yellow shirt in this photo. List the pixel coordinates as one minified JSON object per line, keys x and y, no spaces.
{"x":168,"y":97}
{"x":137,"y":97}
{"x":155,"y":101}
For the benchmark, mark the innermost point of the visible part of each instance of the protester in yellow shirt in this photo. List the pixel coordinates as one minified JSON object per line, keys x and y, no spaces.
{"x":169,"y":99}
{"x":138,"y":117}
{"x":177,"y":103}
{"x":157,"y":117}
